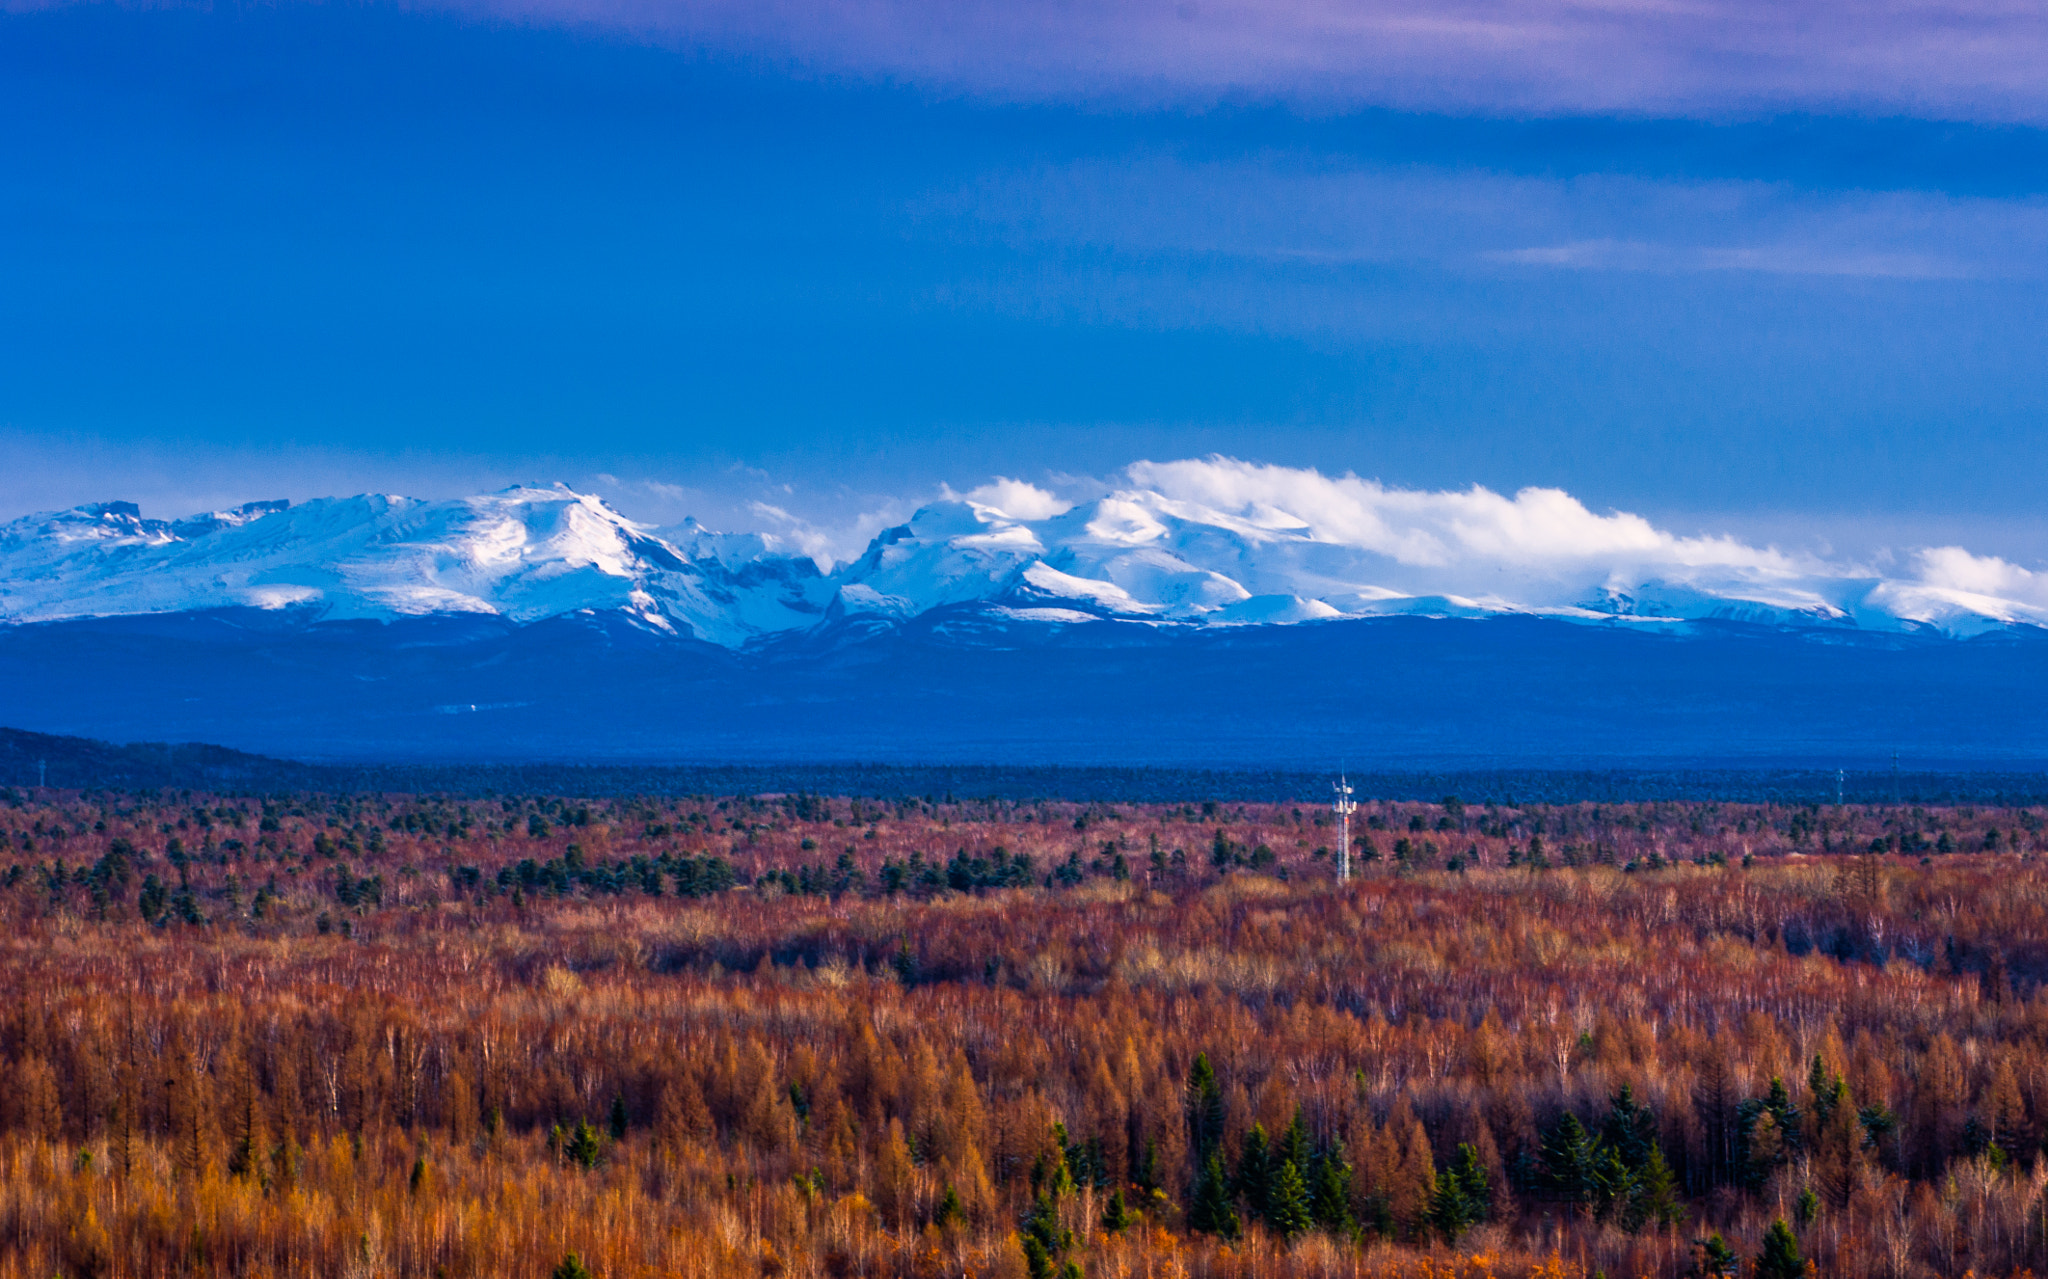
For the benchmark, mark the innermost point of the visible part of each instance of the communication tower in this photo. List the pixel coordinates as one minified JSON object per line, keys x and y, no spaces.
{"x":1343,"y":805}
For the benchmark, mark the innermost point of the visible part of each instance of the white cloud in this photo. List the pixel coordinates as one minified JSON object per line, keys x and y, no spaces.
{"x":1776,"y":259}
{"x":1954,"y":568}
{"x":1303,"y":219}
{"x":833,"y":541}
{"x":1971,"y":59}
{"x":1442,"y":530}
{"x":1017,"y":499}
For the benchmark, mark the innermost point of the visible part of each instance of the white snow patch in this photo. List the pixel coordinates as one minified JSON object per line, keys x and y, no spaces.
{"x":1059,"y":615}
{"x":1276,"y":610}
{"x":1108,"y":594}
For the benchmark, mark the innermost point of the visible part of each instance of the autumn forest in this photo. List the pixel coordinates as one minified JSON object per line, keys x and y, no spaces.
{"x":412,"y":1036}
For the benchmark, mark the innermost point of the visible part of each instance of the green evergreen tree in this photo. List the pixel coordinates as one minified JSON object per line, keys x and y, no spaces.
{"x":1806,"y":1207}
{"x":1254,"y":1182}
{"x":1767,"y":1130}
{"x":618,"y":1124}
{"x":1629,"y":1130}
{"x":1330,"y":1200}
{"x":1294,"y":1146}
{"x":1780,"y":1258}
{"x":1614,"y":1183}
{"x":1817,"y":1089}
{"x":1779,"y":1102}
{"x":1657,"y":1200}
{"x":1115,"y":1217}
{"x":572,"y":1267}
{"x":1462,"y":1198}
{"x":949,"y":1211}
{"x":1716,"y":1259}
{"x":1287,"y":1206}
{"x":1042,"y":1224}
{"x":1210,"y":1210}
{"x":584,"y":1147}
{"x":1570,"y":1160}
{"x":1148,"y":1166}
{"x":1054,"y":1174}
{"x":1037,"y":1263}
{"x":1205,"y":1108}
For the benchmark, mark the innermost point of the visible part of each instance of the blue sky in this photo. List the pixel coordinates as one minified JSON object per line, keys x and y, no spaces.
{"x":705,"y":262}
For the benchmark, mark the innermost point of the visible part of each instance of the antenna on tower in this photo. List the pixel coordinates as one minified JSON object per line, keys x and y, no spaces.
{"x":1343,"y":805}
{"x":1839,"y":775}
{"x":42,"y":773}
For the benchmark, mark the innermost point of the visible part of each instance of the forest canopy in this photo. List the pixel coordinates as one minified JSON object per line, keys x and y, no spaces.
{"x":319,"y":1034}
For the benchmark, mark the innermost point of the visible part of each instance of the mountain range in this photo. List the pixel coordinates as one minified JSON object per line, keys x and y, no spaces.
{"x":1184,"y":552}
{"x":1207,"y":612}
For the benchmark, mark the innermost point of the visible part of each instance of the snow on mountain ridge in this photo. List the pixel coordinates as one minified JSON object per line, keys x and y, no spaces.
{"x":524,"y":553}
{"x":1206,"y":542}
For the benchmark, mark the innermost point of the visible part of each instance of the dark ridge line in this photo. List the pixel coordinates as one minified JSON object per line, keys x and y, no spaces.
{"x":78,"y":763}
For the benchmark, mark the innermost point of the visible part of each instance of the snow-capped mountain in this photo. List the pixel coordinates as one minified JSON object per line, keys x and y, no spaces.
{"x":524,"y":554}
{"x":1201,"y":543}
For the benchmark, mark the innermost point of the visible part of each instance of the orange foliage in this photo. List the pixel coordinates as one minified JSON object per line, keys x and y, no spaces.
{"x":393,"y":1036}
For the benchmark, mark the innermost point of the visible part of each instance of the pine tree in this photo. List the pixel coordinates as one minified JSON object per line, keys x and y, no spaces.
{"x":1205,"y":1108}
{"x":584,"y":1147}
{"x":618,"y":1123}
{"x":949,"y":1211}
{"x":1780,"y":1258}
{"x":1037,"y":1263}
{"x":1287,"y":1206}
{"x":1115,"y":1217}
{"x":1294,"y":1145}
{"x":1818,"y":1093}
{"x":1779,"y":1102}
{"x":1210,"y":1210}
{"x":1254,"y":1182}
{"x":1147,"y":1176}
{"x":572,"y":1267}
{"x":1768,"y":1133}
{"x":1330,"y":1201}
{"x":1716,"y":1259}
{"x":1657,"y":1201}
{"x":1614,"y":1182}
{"x":1463,"y":1198}
{"x":1806,"y":1207}
{"x":1053,"y":1171}
{"x":1043,"y":1230}
{"x":1570,"y":1160}
{"x":1629,"y":1130}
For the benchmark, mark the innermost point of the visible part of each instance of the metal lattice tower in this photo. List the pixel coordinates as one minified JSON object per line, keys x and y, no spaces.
{"x":1343,"y":805}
